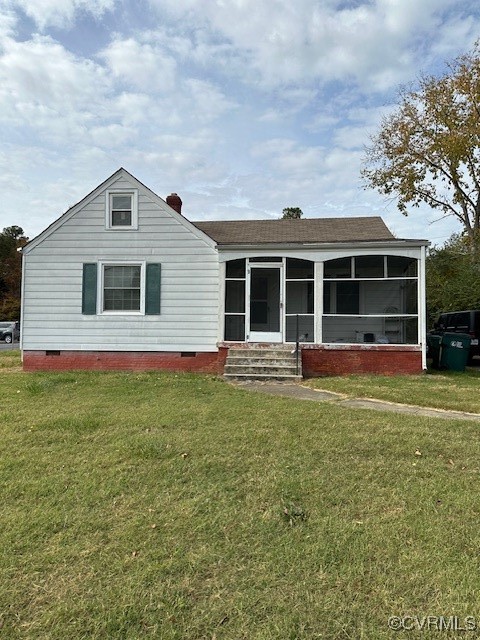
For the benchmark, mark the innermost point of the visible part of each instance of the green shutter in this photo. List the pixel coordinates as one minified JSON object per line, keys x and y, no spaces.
{"x":152,"y":289}
{"x":89,"y":289}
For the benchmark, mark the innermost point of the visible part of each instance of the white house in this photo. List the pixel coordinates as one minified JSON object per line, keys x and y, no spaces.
{"x":123,"y":280}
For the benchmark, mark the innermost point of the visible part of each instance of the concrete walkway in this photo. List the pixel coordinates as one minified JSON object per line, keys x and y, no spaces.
{"x":306,"y":393}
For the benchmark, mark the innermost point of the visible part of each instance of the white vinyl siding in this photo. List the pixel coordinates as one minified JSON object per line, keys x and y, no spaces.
{"x":188,"y":320}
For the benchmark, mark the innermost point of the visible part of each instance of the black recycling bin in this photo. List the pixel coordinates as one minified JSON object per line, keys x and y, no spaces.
{"x":434,"y":349}
{"x":455,"y":348}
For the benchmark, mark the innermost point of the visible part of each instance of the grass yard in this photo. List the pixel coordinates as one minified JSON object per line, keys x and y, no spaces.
{"x":438,"y":389}
{"x":179,"y":507}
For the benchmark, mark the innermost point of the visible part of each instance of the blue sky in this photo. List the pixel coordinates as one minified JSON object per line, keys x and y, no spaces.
{"x":242,"y":107}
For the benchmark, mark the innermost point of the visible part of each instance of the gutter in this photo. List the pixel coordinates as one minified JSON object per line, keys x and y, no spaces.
{"x":324,"y":245}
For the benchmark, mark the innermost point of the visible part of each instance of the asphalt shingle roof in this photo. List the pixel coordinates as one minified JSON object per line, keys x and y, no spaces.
{"x":308,"y":230}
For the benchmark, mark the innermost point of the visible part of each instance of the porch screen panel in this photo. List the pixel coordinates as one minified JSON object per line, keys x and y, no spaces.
{"x":235,"y":296}
{"x":299,"y":301}
{"x":299,"y":297}
{"x":305,"y":328}
{"x":235,"y":287}
{"x":235,"y":328}
{"x":371,"y":299}
{"x":399,"y":267}
{"x":338,"y":268}
{"x":370,"y":329}
{"x":348,"y":297}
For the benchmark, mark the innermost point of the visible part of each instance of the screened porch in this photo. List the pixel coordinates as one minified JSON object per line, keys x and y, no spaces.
{"x":351,"y":300}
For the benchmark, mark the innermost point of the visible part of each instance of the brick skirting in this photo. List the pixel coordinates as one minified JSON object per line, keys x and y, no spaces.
{"x":212,"y":362}
{"x":317,"y":360}
{"x":337,"y":360}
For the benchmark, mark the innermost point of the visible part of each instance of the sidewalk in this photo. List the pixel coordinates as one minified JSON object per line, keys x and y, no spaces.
{"x":299,"y":392}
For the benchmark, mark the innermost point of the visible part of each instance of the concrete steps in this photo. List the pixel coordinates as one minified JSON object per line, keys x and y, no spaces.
{"x":262,"y":363}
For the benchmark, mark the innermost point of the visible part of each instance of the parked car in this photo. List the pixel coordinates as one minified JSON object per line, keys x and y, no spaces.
{"x":467,"y":322}
{"x":9,"y":331}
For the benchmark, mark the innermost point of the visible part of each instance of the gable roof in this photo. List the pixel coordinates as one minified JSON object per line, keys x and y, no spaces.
{"x":126,"y":175}
{"x":307,"y":230}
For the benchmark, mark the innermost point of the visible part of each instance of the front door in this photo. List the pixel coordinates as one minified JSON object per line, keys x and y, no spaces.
{"x":265,"y":304}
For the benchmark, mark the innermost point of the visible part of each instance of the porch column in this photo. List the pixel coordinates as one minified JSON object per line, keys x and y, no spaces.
{"x":318,"y":288}
{"x":422,"y":307}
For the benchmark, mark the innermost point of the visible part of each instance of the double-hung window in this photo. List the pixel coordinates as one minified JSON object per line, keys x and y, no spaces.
{"x":121,"y":209}
{"x":122,"y":287}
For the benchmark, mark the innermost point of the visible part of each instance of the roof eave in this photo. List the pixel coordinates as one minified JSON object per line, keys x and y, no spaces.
{"x":322,"y":245}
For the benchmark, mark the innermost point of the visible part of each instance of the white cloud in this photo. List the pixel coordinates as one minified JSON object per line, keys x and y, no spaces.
{"x":323,"y":121}
{"x":41,"y":72}
{"x":132,"y":108}
{"x":143,"y":66}
{"x":147,"y":67}
{"x":207,"y":101}
{"x":113,"y":135}
{"x":283,"y":42}
{"x":8,"y":22}
{"x":49,"y":93}
{"x":61,"y":13}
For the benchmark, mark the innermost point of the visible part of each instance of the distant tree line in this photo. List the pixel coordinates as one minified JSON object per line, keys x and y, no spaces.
{"x":11,"y":239}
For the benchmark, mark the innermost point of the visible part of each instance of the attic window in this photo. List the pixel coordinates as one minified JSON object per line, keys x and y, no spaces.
{"x":121,"y":209}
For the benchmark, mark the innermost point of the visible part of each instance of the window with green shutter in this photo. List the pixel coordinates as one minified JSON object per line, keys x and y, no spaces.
{"x":121,"y":288}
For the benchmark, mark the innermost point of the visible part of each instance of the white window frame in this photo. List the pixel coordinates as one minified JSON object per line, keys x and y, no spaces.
{"x":108,"y":209}
{"x":100,"y":291}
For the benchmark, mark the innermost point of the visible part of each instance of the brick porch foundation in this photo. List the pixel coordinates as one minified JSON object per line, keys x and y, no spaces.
{"x":125,"y":361}
{"x":337,"y":360}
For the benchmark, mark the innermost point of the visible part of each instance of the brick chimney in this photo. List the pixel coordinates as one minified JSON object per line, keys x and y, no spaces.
{"x":174,"y":201}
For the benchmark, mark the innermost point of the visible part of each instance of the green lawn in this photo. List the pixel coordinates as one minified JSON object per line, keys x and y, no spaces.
{"x":180,"y":507}
{"x":438,"y":389}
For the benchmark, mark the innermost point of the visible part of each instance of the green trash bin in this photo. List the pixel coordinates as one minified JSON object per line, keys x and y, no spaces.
{"x":454,"y":351}
{"x":434,"y":349}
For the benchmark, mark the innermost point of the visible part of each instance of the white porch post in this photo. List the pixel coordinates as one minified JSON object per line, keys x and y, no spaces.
{"x":422,"y":308}
{"x":221,"y":301}
{"x":318,"y":308}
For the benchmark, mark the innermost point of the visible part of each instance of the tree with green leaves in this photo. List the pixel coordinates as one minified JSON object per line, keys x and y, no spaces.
{"x":11,"y":239}
{"x":453,"y":278}
{"x":428,"y":150}
{"x":292,"y":213}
